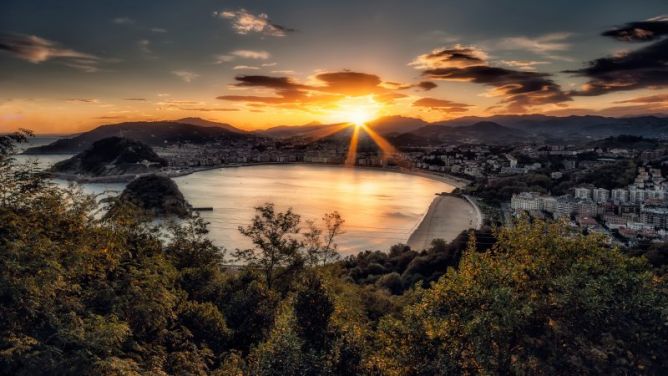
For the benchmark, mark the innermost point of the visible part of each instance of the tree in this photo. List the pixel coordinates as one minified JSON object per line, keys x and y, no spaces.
{"x":542,"y":300}
{"x":320,"y":246}
{"x":277,"y":246}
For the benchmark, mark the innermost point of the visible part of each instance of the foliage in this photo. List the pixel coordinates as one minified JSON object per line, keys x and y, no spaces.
{"x":402,"y":268}
{"x":84,"y":293}
{"x":541,"y":301}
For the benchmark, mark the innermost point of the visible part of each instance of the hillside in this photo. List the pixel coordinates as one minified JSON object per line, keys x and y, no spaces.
{"x":481,"y":132}
{"x":112,"y":156}
{"x":153,"y":133}
{"x":574,"y":128}
{"x":208,"y":123}
{"x":157,"y":195}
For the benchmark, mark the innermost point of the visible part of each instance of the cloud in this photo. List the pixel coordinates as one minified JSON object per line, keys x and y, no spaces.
{"x":269,"y":64}
{"x":123,"y":21}
{"x":135,"y":99}
{"x":82,"y":100}
{"x":38,"y":50}
{"x":641,"y":31}
{"x":349,"y":83}
{"x":144,"y":46}
{"x":519,"y":89}
{"x":244,"y":22}
{"x":542,"y":45}
{"x":527,"y":65}
{"x":324,"y":88}
{"x":645,"y":67}
{"x":457,"y":56}
{"x":250,"y":54}
{"x":284,"y":71}
{"x":441,"y":105}
{"x":426,"y":85}
{"x":158,"y":30}
{"x":659,"y":98}
{"x":186,"y":76}
{"x":246,"y":67}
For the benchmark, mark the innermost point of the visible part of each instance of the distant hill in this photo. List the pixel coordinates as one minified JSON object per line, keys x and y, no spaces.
{"x":153,"y":133}
{"x":390,"y":125}
{"x":208,"y":123}
{"x":625,"y":142}
{"x":287,"y":131}
{"x":574,"y":128}
{"x":112,"y":156}
{"x":482,"y":132}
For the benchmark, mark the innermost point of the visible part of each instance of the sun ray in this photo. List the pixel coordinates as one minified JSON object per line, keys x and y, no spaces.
{"x":384,"y":145}
{"x":351,"y":158}
{"x":327,"y":131}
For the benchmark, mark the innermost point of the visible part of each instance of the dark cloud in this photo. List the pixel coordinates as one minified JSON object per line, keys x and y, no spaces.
{"x":441,"y":105}
{"x":641,"y":31}
{"x":37,"y":50}
{"x":350,"y":83}
{"x":646,"y":67}
{"x":135,"y":99}
{"x":325,"y":88}
{"x":457,"y":56}
{"x":426,"y":85}
{"x":282,"y":83}
{"x":519,"y":89}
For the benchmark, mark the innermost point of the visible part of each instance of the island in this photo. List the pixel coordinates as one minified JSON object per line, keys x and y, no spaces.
{"x":113,"y":156}
{"x":157,"y":195}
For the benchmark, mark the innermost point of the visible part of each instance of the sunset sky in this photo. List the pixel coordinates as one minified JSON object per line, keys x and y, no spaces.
{"x":67,"y":66}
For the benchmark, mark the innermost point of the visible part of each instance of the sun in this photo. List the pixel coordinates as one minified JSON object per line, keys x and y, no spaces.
{"x":359,"y":117}
{"x":355,"y":110}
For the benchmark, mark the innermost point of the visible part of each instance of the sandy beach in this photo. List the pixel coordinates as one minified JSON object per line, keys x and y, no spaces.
{"x":446,"y":217}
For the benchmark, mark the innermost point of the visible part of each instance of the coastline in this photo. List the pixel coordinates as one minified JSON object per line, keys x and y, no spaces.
{"x":445,"y":178}
{"x":447,"y":216}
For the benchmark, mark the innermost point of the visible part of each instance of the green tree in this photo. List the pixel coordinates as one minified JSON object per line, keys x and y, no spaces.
{"x":277,"y":244}
{"x":541,"y":301}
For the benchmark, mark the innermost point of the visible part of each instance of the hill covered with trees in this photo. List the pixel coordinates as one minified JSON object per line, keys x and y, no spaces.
{"x":112,"y":156}
{"x":115,"y":295}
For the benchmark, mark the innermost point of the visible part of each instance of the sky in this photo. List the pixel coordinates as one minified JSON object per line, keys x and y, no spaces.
{"x":70,"y":65}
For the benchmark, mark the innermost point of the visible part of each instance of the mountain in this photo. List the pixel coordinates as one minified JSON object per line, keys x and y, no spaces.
{"x":288,"y":131}
{"x":208,"y":123}
{"x":112,"y":156}
{"x":481,"y":132}
{"x":391,"y":125}
{"x":574,"y":128}
{"x":153,"y":133}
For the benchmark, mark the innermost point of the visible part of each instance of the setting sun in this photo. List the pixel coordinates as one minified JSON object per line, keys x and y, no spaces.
{"x":359,"y":117}
{"x":355,"y":110}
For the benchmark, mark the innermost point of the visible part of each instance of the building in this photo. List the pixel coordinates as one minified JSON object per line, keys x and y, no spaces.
{"x":619,"y":195}
{"x":525,"y":201}
{"x":600,"y":195}
{"x":584,"y":193}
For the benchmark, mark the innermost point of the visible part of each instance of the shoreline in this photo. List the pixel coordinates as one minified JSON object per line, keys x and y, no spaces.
{"x":454,"y":181}
{"x":447,"y":216}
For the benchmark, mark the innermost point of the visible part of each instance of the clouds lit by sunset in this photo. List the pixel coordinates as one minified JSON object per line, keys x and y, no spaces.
{"x":70,"y":66}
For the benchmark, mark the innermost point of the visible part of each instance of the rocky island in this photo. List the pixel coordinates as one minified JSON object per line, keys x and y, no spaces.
{"x":158,"y":195}
{"x":113,"y":156}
